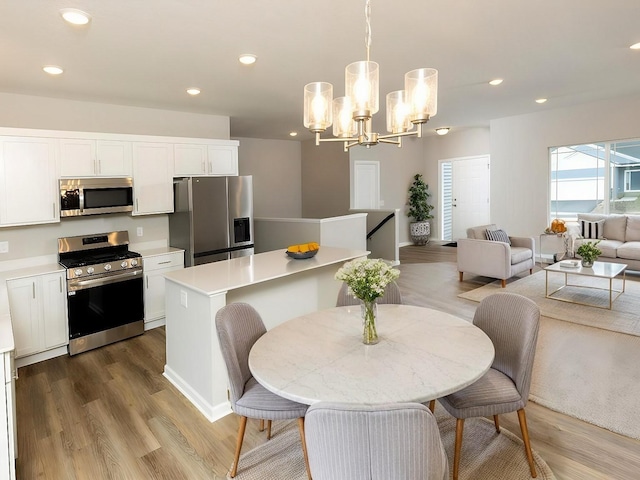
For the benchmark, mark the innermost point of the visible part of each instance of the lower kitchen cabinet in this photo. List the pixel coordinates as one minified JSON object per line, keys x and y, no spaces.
{"x":155,"y":266}
{"x":38,"y":312}
{"x":7,"y":418}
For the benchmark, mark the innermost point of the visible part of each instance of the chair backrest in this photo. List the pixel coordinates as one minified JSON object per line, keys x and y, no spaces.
{"x":238,"y":326}
{"x":479,"y":232}
{"x":391,"y":295}
{"x":511,"y":321}
{"x":397,"y":441}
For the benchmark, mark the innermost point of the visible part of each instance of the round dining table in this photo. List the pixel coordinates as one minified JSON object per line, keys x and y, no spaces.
{"x":423,"y":354}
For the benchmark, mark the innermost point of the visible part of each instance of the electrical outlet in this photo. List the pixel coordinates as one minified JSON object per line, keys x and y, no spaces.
{"x":4,"y":247}
{"x":183,"y":298}
{"x":139,"y":231}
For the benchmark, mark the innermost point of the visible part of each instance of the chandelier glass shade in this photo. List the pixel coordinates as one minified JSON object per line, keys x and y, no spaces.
{"x":351,"y":115}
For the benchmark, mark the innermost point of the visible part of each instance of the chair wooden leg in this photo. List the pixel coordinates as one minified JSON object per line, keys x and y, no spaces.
{"x":432,"y":405}
{"x":530,"y":271}
{"x":525,"y":438}
{"x":268,"y":429}
{"x":503,"y":283}
{"x":496,"y":421}
{"x":241,"y":429}
{"x":458,"y":447}
{"x":261,"y":428}
{"x":460,"y":274}
{"x":304,"y":446}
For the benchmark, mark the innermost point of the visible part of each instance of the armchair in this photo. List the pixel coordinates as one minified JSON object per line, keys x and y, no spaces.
{"x":489,"y":258}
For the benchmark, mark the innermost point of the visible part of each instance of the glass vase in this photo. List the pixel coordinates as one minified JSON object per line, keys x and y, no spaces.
{"x":369,"y":312}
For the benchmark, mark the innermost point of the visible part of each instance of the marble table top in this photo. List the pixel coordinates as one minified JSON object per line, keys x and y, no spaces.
{"x":423,"y":354}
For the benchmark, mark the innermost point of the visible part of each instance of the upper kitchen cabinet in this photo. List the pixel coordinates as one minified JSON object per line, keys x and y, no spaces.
{"x":28,"y":181}
{"x":89,"y":158}
{"x":152,"y":178}
{"x":206,"y":159}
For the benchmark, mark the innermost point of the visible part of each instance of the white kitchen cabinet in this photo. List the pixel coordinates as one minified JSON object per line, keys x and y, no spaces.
{"x":152,"y":178}
{"x":205,"y":160}
{"x":28,"y":181}
{"x":155,"y":266}
{"x":38,"y":312}
{"x":87,"y":158}
{"x":7,"y":418}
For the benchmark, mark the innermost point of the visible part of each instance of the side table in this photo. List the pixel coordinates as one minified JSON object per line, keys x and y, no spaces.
{"x":552,"y":244}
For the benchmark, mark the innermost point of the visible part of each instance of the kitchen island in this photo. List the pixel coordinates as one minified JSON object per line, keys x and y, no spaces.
{"x":278,"y":287}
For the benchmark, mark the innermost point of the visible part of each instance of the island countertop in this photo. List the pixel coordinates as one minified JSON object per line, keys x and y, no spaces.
{"x":219,"y":277}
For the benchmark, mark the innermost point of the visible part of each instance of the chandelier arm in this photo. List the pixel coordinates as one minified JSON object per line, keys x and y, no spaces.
{"x":388,"y":140}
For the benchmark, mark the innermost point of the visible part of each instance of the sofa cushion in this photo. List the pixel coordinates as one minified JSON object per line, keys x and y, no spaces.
{"x":614,"y":225}
{"x":632,"y":233}
{"x":520,"y":254}
{"x":629,"y":251}
{"x":479,"y":233}
{"x":592,"y":229}
{"x":498,"y":236}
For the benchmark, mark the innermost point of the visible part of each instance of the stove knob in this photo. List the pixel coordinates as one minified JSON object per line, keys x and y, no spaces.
{"x":90,"y":270}
{"x":134,"y":262}
{"x":107,"y":267}
{"x":77,"y":272}
{"x":123,"y":264}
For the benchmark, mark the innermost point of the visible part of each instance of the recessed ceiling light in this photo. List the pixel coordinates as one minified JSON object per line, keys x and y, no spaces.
{"x":52,"y":69}
{"x":293,"y":134}
{"x":496,"y":81}
{"x":541,"y":100}
{"x":193,"y":91}
{"x":442,"y":130}
{"x":635,"y":46}
{"x":75,"y":16}
{"x":247,"y":58}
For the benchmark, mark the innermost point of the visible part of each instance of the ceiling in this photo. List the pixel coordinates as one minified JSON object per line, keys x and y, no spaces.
{"x":148,"y":52}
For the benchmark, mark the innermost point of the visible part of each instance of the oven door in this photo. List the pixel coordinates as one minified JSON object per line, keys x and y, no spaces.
{"x":99,"y":304}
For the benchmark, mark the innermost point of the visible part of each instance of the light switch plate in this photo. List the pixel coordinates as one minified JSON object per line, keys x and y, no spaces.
{"x":183,"y":298}
{"x":4,"y":247}
{"x":139,"y":231}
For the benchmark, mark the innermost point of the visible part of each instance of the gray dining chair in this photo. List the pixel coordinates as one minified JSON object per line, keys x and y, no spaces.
{"x":391,"y":295}
{"x":511,"y":321}
{"x":398,"y":441}
{"x":239,"y":326}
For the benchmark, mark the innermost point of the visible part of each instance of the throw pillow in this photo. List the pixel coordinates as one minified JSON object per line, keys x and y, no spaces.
{"x":498,"y":236}
{"x":592,"y":229}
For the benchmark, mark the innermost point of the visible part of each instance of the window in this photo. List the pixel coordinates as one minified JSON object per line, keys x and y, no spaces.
{"x":595,"y":178}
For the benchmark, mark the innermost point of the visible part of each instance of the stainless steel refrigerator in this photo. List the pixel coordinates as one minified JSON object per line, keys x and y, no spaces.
{"x":212,"y":219}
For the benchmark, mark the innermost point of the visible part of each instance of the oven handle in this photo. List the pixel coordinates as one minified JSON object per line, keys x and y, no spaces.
{"x":97,"y":282}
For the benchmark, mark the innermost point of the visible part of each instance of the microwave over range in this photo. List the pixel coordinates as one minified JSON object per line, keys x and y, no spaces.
{"x":93,"y":196}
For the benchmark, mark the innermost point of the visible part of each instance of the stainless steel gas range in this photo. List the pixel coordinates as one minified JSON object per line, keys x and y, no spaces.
{"x":104,"y":289}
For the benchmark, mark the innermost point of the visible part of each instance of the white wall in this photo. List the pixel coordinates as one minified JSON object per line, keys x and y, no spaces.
{"x":276,"y":169}
{"x":520,"y":155}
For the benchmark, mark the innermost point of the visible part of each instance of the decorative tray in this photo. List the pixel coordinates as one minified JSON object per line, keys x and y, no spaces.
{"x":302,"y":255}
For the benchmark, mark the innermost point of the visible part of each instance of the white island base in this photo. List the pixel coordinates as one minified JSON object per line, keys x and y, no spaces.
{"x":278,"y":287}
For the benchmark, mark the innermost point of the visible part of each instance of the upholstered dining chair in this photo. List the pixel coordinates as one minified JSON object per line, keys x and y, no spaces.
{"x":239,"y":326}
{"x":391,"y":295}
{"x":511,"y":321}
{"x":397,"y":441}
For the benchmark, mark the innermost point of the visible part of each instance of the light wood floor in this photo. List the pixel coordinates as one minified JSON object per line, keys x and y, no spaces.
{"x":110,"y":414}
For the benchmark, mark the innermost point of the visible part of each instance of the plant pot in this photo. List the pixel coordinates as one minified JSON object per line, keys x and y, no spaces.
{"x":420,"y":232}
{"x":586,"y":263}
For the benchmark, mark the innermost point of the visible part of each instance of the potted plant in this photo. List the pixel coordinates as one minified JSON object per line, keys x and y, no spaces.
{"x":589,"y":253}
{"x":419,"y":210}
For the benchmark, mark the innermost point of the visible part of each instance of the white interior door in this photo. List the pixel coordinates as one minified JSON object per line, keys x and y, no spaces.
{"x":470,"y":194}
{"x":366,"y":185}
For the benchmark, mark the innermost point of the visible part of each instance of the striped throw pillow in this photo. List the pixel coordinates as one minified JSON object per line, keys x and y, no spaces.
{"x":498,"y":236}
{"x":592,"y":229}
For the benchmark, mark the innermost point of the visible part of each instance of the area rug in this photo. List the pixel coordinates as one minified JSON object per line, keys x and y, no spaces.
{"x":485,"y":454}
{"x":623,"y":318}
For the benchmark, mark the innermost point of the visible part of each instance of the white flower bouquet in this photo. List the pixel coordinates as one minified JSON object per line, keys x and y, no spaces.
{"x":367,"y":278}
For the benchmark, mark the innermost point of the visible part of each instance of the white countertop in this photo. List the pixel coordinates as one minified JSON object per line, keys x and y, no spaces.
{"x":152,"y":252}
{"x":219,"y":277}
{"x":423,"y":354}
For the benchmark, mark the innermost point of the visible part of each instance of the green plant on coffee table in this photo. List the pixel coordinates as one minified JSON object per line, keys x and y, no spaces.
{"x":589,"y":251}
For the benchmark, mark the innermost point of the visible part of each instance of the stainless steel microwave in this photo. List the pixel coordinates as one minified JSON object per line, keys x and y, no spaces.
{"x":94,"y":196}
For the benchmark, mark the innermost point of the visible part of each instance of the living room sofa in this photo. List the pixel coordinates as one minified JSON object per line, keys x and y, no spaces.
{"x":619,"y":236}
{"x":494,"y":259}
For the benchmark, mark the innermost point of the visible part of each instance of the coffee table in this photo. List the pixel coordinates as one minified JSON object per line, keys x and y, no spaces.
{"x":604,"y":270}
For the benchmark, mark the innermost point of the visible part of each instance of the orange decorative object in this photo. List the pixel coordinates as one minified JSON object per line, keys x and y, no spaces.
{"x":558,"y":226}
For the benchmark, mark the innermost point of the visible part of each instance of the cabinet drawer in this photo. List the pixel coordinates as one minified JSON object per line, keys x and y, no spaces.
{"x":169,"y":260}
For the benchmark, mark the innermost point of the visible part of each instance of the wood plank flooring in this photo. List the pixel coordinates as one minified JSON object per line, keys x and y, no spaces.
{"x":110,"y":414}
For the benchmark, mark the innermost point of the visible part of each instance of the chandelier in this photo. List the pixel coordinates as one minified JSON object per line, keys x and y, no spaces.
{"x":351,"y":115}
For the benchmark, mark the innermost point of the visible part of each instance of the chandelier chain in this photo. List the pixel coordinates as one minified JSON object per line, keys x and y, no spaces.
{"x":367,"y":32}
